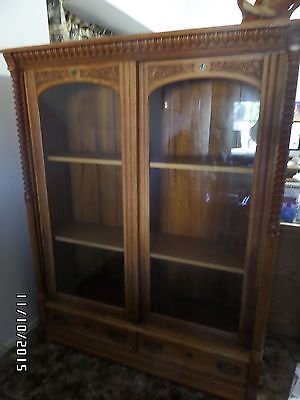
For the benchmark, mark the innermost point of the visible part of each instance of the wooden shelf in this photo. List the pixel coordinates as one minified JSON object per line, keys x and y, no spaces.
{"x":201,"y":253}
{"x":91,"y":235}
{"x":101,"y":159}
{"x":192,"y":164}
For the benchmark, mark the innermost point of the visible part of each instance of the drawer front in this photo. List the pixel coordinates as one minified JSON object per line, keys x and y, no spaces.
{"x":108,"y":335}
{"x":188,"y":358}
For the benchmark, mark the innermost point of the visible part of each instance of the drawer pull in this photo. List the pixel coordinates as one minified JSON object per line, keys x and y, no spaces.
{"x":118,"y":337}
{"x":153,"y":347}
{"x":228,"y":368}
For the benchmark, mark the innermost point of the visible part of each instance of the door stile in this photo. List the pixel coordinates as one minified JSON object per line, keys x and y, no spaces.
{"x":40,"y":180}
{"x":144,"y":192}
{"x":268,"y":135}
{"x":128,"y":89}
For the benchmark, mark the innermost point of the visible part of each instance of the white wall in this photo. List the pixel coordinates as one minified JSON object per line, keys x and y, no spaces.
{"x":22,"y":23}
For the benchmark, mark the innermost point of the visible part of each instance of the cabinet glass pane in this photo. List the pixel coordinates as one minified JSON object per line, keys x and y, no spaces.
{"x":80,"y":119}
{"x":81,"y":141}
{"x":205,"y":297}
{"x":203,"y":137}
{"x":91,"y":273}
{"x":210,"y":122}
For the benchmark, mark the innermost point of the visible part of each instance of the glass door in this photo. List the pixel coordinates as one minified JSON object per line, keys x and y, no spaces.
{"x":81,"y":136}
{"x":202,"y":144}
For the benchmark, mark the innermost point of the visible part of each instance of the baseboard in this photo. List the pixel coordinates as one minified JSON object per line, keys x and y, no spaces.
{"x":9,"y":344}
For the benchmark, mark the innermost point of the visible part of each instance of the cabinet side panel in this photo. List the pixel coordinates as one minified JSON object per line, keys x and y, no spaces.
{"x":18,"y":81}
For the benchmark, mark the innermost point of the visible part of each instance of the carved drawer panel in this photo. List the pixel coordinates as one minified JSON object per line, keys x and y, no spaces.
{"x":188,"y":358}
{"x":106,"y":335}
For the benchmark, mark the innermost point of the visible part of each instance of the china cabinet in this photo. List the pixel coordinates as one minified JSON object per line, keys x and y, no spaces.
{"x":154,"y":169}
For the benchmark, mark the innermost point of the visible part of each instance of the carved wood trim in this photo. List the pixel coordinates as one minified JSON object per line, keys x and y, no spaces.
{"x":22,"y":124}
{"x":166,"y":71}
{"x":137,"y":46}
{"x":283,"y":147}
{"x":247,"y":70}
{"x":107,"y":74}
{"x":249,"y":67}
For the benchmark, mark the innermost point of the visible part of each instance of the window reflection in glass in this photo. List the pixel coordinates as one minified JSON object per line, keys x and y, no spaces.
{"x":245,"y":122}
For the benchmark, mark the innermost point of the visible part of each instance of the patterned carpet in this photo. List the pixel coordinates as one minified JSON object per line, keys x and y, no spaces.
{"x":59,"y":373}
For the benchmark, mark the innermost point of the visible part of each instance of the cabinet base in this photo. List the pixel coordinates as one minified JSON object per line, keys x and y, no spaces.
{"x":199,"y":381}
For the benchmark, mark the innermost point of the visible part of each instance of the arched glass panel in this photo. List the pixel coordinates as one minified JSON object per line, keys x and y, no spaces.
{"x":203,"y":137}
{"x":81,"y":140}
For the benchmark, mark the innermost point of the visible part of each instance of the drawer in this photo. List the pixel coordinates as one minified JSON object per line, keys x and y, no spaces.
{"x":188,"y":358}
{"x":102,"y":333}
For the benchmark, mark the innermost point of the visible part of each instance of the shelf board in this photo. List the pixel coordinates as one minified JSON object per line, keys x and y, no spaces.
{"x":91,"y":235}
{"x":198,"y":252}
{"x":101,"y":159}
{"x":201,"y":167}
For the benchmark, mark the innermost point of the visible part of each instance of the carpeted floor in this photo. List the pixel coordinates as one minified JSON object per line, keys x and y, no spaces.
{"x":59,"y":373}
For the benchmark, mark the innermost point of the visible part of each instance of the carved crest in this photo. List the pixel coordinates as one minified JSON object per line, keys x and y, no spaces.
{"x":267,"y":9}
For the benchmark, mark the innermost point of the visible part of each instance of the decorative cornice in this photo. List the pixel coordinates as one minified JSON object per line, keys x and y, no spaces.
{"x":250,"y":67}
{"x":179,"y":41}
{"x":109,"y":73}
{"x":283,"y":147}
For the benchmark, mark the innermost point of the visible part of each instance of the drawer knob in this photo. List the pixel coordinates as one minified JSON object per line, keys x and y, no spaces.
{"x":228,"y":369}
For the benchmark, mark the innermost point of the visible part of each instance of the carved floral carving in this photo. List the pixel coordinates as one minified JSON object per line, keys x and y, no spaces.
{"x":50,"y":75}
{"x":165,"y":71}
{"x":251,"y":67}
{"x":107,"y":73}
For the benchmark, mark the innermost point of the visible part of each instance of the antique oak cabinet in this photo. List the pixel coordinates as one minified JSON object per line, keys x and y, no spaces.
{"x":153,"y":169}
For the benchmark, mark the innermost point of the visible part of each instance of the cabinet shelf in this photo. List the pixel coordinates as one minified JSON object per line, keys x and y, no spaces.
{"x":201,"y":167}
{"x":197,"y":252}
{"x":101,"y":159}
{"x":91,"y":235}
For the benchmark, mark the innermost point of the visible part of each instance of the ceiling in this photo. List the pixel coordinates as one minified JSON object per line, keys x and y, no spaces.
{"x":137,"y":16}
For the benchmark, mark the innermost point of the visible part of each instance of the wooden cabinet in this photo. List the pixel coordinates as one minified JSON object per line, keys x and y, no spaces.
{"x":153,"y":169}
